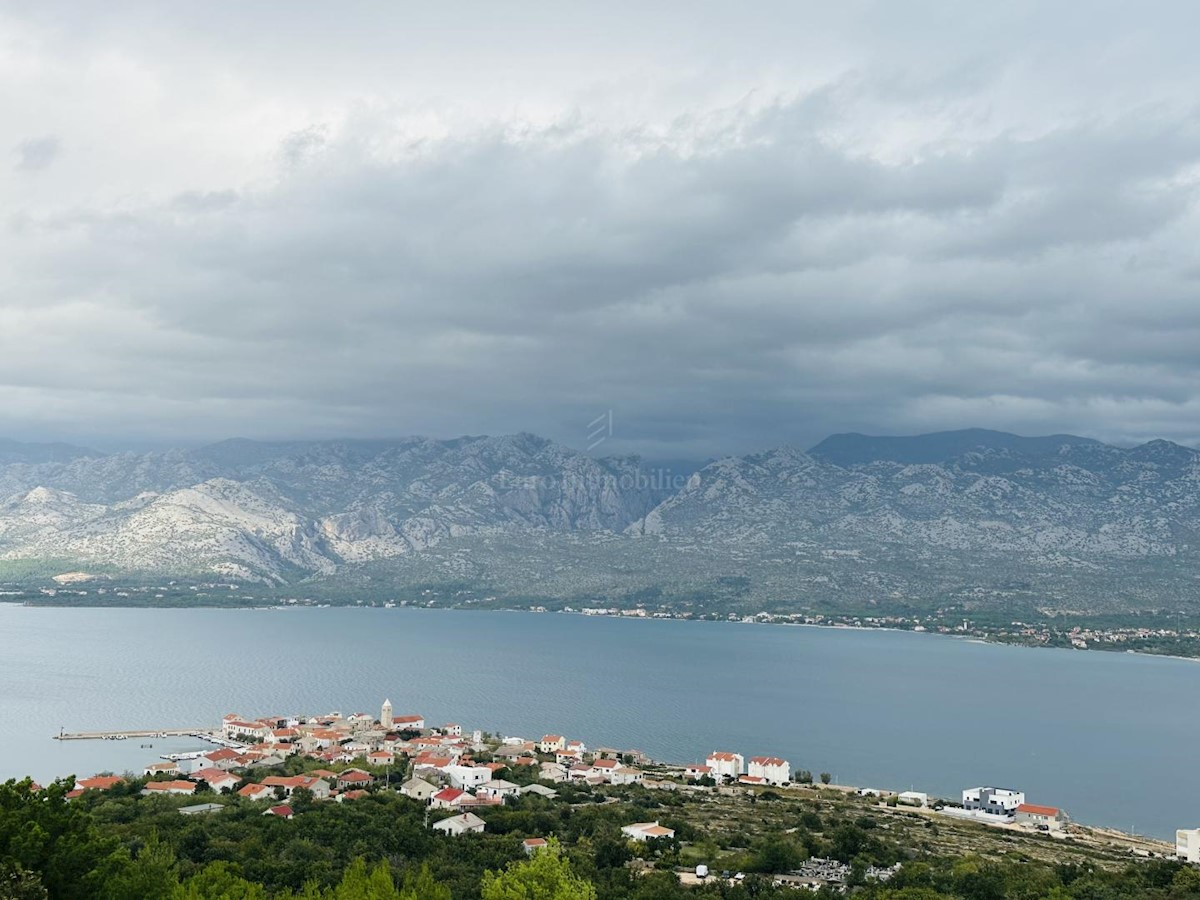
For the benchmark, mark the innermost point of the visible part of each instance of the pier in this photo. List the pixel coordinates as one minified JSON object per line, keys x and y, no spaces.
{"x":205,"y":733}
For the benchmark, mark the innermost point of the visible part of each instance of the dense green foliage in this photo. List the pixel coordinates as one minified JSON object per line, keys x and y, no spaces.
{"x":119,"y":845}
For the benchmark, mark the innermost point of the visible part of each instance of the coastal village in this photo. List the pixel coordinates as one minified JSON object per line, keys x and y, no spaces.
{"x":286,"y":763}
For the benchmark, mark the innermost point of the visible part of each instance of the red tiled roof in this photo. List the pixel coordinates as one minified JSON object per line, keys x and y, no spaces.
{"x":170,"y":786}
{"x":1035,"y":810}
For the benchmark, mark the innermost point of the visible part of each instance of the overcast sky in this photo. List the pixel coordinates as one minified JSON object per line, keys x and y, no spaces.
{"x":733,"y":225}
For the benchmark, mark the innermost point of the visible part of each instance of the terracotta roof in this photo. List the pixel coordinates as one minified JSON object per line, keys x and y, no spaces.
{"x":212,"y":774}
{"x":534,"y":842}
{"x":448,"y":795}
{"x":767,"y":760}
{"x":284,"y":811}
{"x":723,"y":755}
{"x":1033,"y":809}
{"x":170,"y":786}
{"x":98,"y":782}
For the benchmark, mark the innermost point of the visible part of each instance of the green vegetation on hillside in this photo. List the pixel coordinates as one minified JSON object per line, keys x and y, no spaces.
{"x":118,"y":844}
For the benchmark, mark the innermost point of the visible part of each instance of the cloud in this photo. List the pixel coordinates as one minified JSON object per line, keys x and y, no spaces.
{"x":830,"y":246}
{"x":35,"y":154}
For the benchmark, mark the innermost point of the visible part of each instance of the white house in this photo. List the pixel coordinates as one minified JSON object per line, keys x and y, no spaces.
{"x":162,"y":768}
{"x":453,"y":729}
{"x":696,"y":771}
{"x":992,"y":800}
{"x":408,"y":723}
{"x":1051,"y":817}
{"x":233,"y":728}
{"x":463,"y":824}
{"x":642,"y":831}
{"x":468,"y":777}
{"x":533,"y":845}
{"x":552,"y":743}
{"x":168,"y":787}
{"x":625,"y":775}
{"x":725,"y":765}
{"x":913,"y":798}
{"x":552,"y":772}
{"x":448,"y":798}
{"x":1187,"y":845}
{"x":418,"y":789}
{"x":217,"y":779}
{"x":771,"y":769}
{"x":257,"y":792}
{"x":498,"y":788}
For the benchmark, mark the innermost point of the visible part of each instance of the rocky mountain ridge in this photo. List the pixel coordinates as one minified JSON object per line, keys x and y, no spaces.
{"x":857,"y":517}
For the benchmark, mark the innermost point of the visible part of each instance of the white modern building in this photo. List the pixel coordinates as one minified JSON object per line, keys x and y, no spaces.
{"x":725,"y":765}
{"x":770,"y":769}
{"x":468,"y":778}
{"x":992,"y":800}
{"x":1187,"y":845}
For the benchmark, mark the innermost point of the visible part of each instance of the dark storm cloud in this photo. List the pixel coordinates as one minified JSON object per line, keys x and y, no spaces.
{"x":864,"y":252}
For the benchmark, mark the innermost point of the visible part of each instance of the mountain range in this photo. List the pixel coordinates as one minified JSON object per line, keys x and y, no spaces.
{"x":973,"y":518}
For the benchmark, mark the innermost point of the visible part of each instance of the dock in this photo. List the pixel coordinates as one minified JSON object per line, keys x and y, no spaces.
{"x":205,"y":733}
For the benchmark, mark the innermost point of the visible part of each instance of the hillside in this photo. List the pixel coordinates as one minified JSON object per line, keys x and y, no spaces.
{"x":976,"y":517}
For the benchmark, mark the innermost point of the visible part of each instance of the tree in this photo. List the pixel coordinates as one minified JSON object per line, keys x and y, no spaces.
{"x":826,"y":778}
{"x":17,"y":884}
{"x":420,"y":885}
{"x":546,"y":875}
{"x":360,"y":884}
{"x":218,"y":881}
{"x":777,"y":853}
{"x":153,"y":872}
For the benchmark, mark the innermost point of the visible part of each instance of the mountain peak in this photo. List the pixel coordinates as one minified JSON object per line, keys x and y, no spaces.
{"x":853,"y":449}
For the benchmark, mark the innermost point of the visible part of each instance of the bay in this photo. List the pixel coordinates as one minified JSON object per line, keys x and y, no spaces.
{"x":1109,"y":737}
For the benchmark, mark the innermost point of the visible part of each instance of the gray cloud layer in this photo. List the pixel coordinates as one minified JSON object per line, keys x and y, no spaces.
{"x":898,"y":224}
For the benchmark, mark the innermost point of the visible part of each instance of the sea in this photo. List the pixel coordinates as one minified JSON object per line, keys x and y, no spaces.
{"x":1109,"y":737}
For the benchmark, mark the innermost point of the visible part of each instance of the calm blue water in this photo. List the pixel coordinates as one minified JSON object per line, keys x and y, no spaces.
{"x":1111,"y":738}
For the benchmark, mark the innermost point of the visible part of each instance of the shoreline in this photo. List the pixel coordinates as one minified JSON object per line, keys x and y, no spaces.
{"x":835,"y":626}
{"x":668,"y":769}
